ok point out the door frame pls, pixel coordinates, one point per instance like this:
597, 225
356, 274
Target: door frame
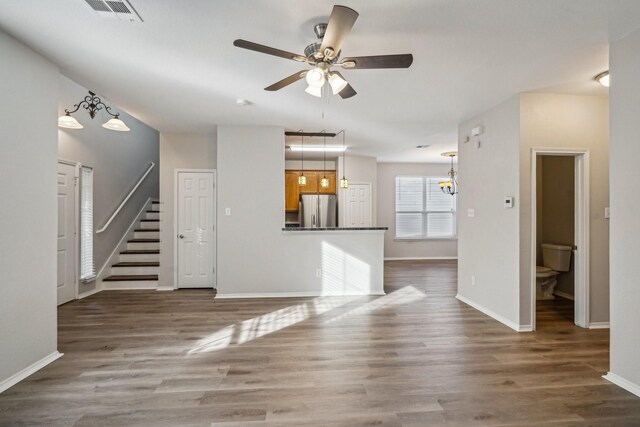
76, 209
344, 201
176, 173
581, 230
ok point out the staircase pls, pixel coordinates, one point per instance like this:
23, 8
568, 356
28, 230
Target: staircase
139, 264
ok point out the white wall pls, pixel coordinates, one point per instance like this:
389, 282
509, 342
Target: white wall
568, 121
433, 248
118, 159
178, 151
488, 244
29, 212
359, 170
625, 211
255, 257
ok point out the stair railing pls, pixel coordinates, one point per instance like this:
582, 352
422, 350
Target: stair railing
151, 166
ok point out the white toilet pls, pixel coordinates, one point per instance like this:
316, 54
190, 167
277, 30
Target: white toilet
555, 259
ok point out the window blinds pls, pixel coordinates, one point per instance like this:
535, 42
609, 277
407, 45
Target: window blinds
423, 210
87, 263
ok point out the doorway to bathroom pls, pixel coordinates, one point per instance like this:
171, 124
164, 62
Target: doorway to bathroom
559, 241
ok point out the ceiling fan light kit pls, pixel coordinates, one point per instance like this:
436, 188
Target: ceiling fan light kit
325, 53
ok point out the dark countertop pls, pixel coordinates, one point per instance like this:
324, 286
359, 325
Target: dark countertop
335, 229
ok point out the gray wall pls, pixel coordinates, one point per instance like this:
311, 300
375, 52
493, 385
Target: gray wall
625, 208
434, 248
28, 138
255, 257
118, 159
568, 121
488, 244
555, 212
187, 151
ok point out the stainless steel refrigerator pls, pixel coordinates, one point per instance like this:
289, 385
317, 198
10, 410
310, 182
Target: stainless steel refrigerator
318, 210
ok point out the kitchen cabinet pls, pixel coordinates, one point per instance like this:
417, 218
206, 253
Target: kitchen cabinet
293, 190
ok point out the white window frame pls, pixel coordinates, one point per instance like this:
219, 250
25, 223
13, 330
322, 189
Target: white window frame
425, 212
87, 263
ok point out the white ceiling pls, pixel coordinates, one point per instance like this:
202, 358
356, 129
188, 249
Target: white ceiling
179, 72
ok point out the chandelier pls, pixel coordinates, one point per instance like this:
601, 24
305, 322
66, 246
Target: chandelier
92, 103
450, 186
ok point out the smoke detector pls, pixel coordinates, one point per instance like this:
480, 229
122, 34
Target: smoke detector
115, 9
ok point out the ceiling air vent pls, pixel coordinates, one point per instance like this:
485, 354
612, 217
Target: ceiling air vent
115, 9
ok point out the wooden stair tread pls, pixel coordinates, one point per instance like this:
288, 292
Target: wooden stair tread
131, 277
152, 211
141, 251
150, 220
137, 264
143, 241
147, 230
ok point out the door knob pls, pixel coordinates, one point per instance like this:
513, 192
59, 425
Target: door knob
181, 236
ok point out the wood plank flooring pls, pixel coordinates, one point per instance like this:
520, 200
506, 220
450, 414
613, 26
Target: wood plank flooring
415, 357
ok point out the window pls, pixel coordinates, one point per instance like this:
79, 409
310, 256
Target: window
423, 211
87, 263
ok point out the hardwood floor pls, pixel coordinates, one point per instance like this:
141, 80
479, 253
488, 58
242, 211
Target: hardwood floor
415, 357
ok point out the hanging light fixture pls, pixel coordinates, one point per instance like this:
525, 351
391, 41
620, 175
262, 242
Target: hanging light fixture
92, 104
324, 182
337, 83
344, 183
450, 186
302, 180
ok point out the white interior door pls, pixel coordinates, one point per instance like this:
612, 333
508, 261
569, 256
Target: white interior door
358, 205
196, 238
66, 233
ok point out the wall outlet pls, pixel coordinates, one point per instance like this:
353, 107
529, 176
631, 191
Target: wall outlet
473, 280
471, 212
319, 272
227, 211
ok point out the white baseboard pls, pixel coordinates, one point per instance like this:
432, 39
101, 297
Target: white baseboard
599, 325
29, 370
564, 295
621, 382
292, 295
516, 327
165, 288
122, 244
420, 258
89, 293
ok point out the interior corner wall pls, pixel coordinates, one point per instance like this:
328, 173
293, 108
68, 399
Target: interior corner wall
29, 208
568, 121
359, 170
433, 248
118, 159
178, 151
625, 208
488, 243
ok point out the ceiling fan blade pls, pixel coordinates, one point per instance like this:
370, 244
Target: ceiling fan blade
347, 92
287, 81
340, 24
378, 61
244, 44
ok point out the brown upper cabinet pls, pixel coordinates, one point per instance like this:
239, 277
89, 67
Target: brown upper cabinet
293, 190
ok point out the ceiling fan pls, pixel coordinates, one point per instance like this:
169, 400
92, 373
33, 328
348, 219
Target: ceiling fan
325, 53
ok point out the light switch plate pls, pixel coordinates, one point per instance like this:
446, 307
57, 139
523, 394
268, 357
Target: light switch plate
508, 201
607, 213
227, 211
471, 212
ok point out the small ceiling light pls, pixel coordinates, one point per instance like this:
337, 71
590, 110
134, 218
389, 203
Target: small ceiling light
243, 102
315, 77
315, 91
324, 182
302, 180
344, 183
116, 124
603, 78
69, 122
92, 104
450, 186
337, 83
